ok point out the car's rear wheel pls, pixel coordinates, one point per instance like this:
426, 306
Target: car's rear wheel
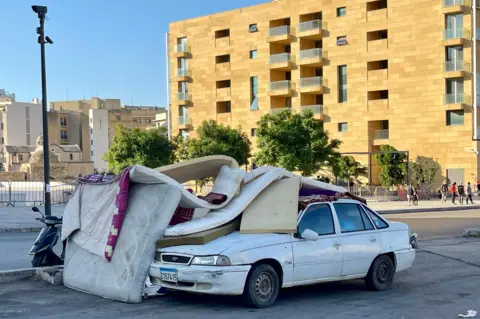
381, 274
262, 287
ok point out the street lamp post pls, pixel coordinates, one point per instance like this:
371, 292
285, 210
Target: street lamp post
41, 11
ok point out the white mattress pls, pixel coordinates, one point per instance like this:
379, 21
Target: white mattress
150, 209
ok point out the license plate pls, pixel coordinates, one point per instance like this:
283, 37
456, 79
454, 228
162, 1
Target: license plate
169, 275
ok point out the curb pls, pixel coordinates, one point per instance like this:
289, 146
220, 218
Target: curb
27, 273
427, 210
21, 230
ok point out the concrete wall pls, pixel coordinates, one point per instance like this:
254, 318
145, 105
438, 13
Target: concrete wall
99, 136
13, 176
17, 126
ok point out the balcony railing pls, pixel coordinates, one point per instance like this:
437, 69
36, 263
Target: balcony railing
455, 98
314, 81
180, 48
183, 72
183, 96
282, 30
279, 58
455, 34
310, 54
316, 109
309, 25
456, 66
381, 134
184, 120
280, 85
280, 110
449, 3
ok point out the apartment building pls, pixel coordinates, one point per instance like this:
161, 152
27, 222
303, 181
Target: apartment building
19, 123
84, 106
376, 72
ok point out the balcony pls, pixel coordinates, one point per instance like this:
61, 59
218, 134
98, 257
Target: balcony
223, 42
377, 15
279, 35
280, 88
312, 57
313, 85
224, 94
456, 69
377, 79
317, 110
182, 75
181, 51
280, 110
377, 45
222, 69
184, 122
455, 37
183, 98
455, 6
311, 29
282, 61
456, 101
378, 105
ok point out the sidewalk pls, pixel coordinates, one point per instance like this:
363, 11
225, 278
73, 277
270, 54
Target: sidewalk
432, 205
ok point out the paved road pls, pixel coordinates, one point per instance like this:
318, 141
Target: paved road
14, 247
438, 286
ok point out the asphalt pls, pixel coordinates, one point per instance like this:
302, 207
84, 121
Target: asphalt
442, 283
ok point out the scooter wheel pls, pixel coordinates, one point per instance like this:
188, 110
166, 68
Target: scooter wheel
38, 260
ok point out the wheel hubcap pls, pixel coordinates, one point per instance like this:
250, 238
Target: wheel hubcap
264, 287
382, 273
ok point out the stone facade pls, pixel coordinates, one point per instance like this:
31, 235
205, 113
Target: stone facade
396, 73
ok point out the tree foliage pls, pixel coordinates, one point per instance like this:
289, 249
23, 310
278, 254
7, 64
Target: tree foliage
347, 168
424, 170
393, 166
215, 139
296, 142
150, 148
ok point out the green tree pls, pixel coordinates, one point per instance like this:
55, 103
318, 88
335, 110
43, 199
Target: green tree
150, 148
393, 166
348, 168
215, 139
296, 142
424, 170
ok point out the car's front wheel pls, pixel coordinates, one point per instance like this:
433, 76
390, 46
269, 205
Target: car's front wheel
381, 273
262, 286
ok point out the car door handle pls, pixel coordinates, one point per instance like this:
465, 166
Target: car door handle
373, 240
337, 245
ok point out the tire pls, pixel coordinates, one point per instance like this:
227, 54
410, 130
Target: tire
262, 287
381, 274
37, 260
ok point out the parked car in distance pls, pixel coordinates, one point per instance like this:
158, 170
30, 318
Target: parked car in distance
335, 241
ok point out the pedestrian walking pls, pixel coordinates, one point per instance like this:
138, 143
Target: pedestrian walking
444, 191
469, 193
409, 194
461, 192
453, 190
415, 197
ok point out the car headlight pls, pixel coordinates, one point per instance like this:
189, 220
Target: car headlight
211, 261
158, 256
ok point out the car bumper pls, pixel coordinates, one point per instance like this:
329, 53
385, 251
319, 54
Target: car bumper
405, 259
215, 280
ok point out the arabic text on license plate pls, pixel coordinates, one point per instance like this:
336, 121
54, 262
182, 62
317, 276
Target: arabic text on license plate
168, 274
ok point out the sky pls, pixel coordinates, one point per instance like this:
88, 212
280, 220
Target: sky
103, 48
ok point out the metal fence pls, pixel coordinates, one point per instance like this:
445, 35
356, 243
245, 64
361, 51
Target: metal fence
32, 193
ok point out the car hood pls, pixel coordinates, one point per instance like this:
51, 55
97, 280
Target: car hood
231, 243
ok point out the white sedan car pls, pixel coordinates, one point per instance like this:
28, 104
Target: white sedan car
335, 241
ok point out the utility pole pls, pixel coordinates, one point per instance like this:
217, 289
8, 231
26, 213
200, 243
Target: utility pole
41, 11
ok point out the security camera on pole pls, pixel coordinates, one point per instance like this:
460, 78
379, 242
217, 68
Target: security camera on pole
41, 11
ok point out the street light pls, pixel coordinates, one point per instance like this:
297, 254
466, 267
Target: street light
41, 11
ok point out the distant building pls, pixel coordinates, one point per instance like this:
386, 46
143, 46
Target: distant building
85, 105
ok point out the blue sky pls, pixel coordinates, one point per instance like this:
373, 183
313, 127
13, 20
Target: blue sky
105, 48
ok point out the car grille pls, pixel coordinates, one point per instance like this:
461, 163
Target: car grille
176, 259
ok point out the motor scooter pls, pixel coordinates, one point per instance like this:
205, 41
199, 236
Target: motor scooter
42, 250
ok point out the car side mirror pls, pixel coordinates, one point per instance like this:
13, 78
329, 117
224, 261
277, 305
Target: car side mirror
310, 235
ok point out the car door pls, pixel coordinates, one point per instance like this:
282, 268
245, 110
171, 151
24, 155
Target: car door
359, 238
320, 259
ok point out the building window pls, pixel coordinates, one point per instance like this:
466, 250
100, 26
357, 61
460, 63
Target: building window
224, 107
1, 126
342, 83
252, 28
222, 59
184, 133
119, 118
20, 157
343, 127
455, 118
64, 135
63, 121
254, 93
91, 142
253, 54
341, 12
70, 156
3, 140
222, 34
342, 40
91, 153
253, 132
